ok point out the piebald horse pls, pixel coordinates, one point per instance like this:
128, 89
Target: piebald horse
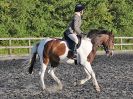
53, 51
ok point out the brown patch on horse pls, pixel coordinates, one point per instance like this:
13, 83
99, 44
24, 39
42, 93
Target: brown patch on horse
58, 48
52, 50
91, 56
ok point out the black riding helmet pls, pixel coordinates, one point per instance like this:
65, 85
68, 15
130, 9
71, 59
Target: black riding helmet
79, 7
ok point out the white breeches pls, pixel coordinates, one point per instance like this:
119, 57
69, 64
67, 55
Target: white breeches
73, 37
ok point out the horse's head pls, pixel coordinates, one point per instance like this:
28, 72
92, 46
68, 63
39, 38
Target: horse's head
102, 38
108, 44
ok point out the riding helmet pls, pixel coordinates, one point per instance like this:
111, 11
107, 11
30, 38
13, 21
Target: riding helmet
79, 7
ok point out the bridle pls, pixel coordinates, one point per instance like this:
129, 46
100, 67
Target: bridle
107, 48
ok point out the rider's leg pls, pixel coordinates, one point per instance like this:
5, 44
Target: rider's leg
75, 39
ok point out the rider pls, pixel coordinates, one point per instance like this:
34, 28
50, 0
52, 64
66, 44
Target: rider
73, 29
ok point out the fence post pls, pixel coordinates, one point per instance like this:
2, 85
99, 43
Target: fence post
29, 45
121, 43
10, 44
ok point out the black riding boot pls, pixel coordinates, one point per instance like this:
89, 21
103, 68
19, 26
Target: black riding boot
74, 50
75, 54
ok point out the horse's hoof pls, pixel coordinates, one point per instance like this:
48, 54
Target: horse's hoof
39, 72
98, 89
60, 87
44, 88
54, 89
30, 71
81, 82
77, 83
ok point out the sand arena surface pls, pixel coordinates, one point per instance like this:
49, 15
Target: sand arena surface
114, 75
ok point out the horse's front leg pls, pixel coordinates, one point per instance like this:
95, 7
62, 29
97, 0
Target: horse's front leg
88, 67
85, 79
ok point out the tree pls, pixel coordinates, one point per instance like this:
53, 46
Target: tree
39, 18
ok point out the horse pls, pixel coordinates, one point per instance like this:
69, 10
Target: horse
52, 51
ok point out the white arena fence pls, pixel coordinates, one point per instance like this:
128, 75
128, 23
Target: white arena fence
8, 45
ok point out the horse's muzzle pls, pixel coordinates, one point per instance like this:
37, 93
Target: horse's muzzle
109, 53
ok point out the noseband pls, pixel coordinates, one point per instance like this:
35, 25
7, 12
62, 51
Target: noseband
106, 48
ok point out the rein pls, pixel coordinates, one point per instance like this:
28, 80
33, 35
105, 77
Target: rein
84, 34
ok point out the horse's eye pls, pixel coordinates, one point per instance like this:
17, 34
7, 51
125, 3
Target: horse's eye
113, 42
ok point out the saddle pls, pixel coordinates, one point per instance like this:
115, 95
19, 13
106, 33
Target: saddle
71, 43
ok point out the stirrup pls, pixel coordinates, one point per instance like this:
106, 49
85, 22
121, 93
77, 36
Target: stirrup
75, 56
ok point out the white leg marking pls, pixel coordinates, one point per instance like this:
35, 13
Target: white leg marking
87, 78
91, 72
43, 69
51, 72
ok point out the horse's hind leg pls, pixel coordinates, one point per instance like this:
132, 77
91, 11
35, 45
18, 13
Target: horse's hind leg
42, 73
51, 72
43, 69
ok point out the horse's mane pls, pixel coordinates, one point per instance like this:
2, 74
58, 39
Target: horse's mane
96, 32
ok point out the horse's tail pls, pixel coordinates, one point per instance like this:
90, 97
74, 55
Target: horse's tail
33, 57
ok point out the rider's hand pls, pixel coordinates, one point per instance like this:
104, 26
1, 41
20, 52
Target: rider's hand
80, 35
83, 34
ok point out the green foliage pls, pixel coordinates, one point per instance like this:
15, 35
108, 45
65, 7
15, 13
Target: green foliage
122, 10
40, 18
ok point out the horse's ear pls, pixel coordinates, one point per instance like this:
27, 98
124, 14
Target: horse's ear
111, 32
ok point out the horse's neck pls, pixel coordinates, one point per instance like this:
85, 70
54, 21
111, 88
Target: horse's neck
86, 44
97, 42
